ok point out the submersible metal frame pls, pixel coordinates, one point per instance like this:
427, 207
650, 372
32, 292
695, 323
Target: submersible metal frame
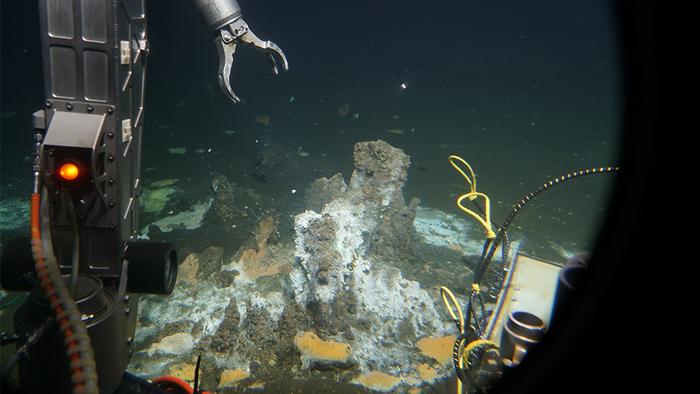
87, 267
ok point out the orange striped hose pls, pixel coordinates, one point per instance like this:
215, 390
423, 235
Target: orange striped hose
78, 378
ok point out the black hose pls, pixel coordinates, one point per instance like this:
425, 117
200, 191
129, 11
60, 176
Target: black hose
487, 243
195, 389
75, 267
483, 264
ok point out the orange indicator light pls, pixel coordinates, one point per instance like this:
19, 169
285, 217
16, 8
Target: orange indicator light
68, 171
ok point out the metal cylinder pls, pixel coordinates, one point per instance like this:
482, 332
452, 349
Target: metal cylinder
152, 267
521, 331
46, 369
218, 13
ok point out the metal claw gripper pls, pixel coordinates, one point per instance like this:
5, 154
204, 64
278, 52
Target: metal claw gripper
229, 36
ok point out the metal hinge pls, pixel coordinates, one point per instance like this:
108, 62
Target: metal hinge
125, 52
126, 130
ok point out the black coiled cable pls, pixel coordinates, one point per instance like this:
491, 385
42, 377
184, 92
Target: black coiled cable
486, 259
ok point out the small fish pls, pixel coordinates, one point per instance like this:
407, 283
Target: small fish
395, 131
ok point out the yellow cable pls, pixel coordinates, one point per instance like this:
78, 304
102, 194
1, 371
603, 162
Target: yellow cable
479, 343
448, 298
459, 317
461, 366
473, 345
472, 194
452, 304
470, 180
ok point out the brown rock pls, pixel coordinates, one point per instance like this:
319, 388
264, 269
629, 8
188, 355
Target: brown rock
210, 261
324, 190
187, 271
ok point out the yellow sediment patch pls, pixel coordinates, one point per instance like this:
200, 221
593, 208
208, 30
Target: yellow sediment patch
231, 377
414, 390
437, 348
257, 385
426, 372
178, 343
184, 371
377, 381
310, 345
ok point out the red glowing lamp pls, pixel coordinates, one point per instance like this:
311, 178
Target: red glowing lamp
68, 171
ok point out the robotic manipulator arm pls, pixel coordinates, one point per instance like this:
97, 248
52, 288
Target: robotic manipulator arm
224, 19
